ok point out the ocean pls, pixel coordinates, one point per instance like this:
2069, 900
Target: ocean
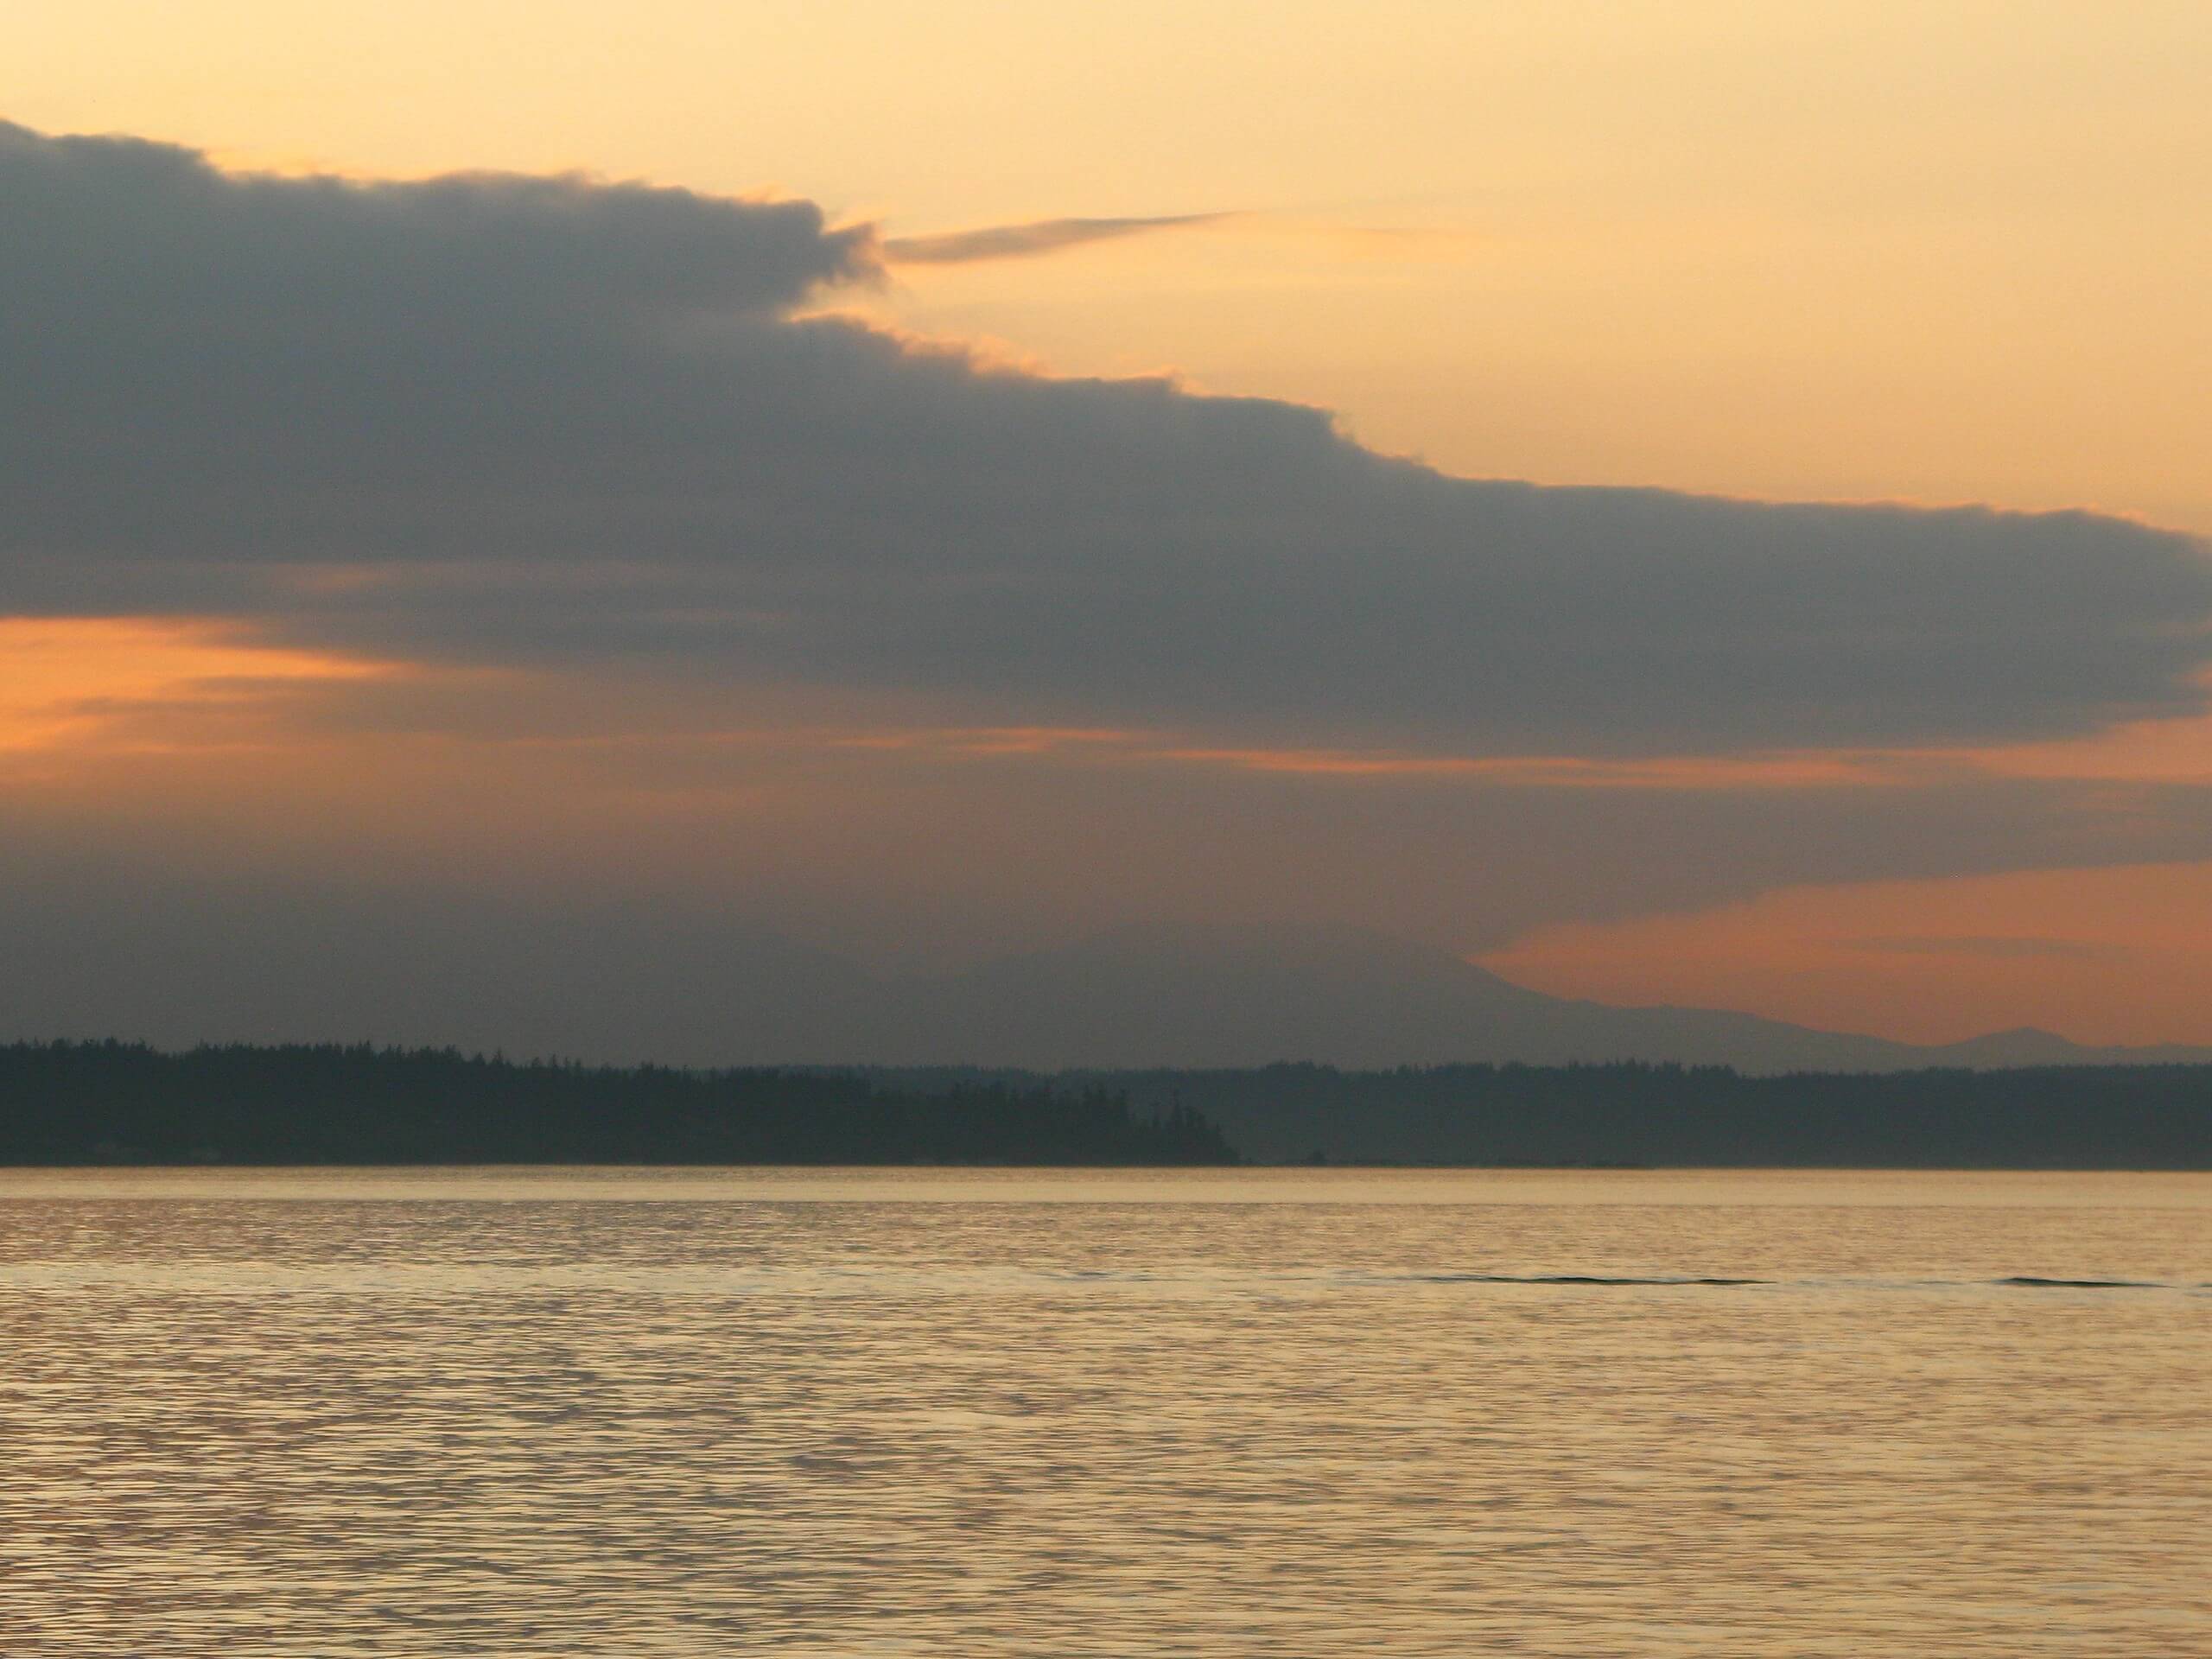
1216, 1413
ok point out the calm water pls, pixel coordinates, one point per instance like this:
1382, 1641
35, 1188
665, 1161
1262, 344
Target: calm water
978, 1414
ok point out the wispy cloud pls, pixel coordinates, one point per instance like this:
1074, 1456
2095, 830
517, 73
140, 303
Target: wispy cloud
1028, 240
67, 680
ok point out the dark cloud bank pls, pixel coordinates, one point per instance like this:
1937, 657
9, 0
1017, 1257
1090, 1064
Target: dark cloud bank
556, 420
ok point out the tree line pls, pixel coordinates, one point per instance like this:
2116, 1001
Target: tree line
65, 1103
122, 1102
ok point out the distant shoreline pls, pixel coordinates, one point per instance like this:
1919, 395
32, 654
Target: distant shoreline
121, 1105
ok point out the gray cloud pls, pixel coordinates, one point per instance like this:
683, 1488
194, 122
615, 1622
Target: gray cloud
1025, 241
562, 421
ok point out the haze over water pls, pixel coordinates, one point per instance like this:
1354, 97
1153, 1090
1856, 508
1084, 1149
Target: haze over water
982, 1413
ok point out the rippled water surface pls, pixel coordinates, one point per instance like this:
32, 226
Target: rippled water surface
981, 1413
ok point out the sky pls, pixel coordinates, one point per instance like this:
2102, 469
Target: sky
1686, 503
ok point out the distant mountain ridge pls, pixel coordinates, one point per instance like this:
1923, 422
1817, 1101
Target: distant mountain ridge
1345, 996
696, 991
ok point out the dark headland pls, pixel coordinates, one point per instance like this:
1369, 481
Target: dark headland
67, 1103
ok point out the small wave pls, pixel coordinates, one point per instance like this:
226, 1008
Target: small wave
2023, 1282
1568, 1279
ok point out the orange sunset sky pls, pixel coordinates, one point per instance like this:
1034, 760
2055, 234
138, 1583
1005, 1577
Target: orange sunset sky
1105, 502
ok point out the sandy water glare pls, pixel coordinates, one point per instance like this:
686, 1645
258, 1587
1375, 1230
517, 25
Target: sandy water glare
979, 1414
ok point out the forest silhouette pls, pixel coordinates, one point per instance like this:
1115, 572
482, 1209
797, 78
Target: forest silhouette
117, 1103
126, 1103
